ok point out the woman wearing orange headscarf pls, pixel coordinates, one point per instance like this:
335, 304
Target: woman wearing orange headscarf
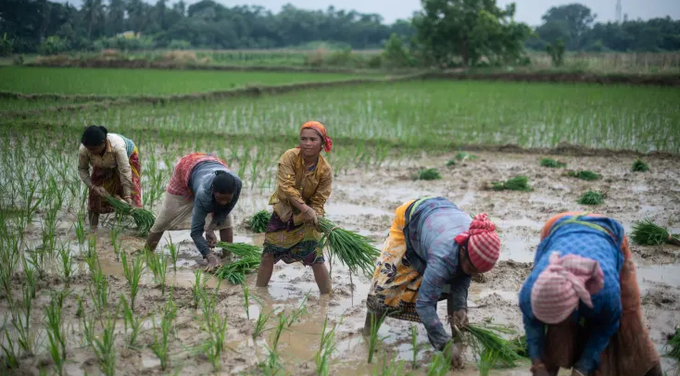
303, 186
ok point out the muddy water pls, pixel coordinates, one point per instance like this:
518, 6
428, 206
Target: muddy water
364, 201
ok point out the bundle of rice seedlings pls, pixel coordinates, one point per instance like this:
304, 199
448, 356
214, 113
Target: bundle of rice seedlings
429, 174
648, 233
591, 197
259, 221
461, 155
583, 174
236, 271
353, 250
518, 183
450, 163
640, 166
241, 249
521, 346
144, 219
549, 162
486, 339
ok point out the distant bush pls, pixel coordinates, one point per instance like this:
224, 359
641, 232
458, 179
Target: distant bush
178, 44
125, 44
53, 45
6, 45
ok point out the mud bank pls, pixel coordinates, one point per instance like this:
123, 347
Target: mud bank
364, 200
672, 80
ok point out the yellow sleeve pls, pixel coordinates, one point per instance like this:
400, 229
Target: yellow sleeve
285, 179
84, 166
323, 191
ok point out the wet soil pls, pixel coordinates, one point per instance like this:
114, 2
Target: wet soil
364, 200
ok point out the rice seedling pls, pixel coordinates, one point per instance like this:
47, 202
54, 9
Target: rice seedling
79, 228
591, 197
272, 366
133, 274
326, 348
246, 300
640, 166
517, 183
582, 174
67, 266
158, 264
174, 252
521, 346
261, 322
647, 232
22, 321
440, 362
241, 249
198, 288
11, 358
487, 359
55, 334
673, 347
278, 330
114, 237
389, 367
215, 345
104, 348
352, 249
131, 322
87, 323
259, 221
549, 162
160, 343
373, 339
299, 311
487, 339
451, 163
428, 174
143, 218
29, 273
99, 288
415, 346
235, 272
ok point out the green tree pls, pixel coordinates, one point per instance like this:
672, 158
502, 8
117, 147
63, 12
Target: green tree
469, 30
115, 17
576, 19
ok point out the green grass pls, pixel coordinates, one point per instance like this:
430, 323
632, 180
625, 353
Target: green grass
549, 162
446, 113
640, 166
428, 174
591, 197
135, 82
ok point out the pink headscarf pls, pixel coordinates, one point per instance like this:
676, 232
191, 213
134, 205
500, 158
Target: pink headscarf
328, 143
483, 243
566, 280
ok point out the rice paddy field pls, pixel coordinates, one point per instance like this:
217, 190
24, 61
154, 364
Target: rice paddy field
76, 303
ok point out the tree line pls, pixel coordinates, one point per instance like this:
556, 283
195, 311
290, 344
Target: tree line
444, 32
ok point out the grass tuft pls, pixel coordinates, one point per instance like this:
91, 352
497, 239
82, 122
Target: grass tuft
591, 197
461, 156
451, 163
549, 162
640, 166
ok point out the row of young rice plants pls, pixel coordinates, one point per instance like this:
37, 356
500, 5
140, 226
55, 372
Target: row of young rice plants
426, 114
143, 82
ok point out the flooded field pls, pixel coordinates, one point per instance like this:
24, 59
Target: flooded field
363, 200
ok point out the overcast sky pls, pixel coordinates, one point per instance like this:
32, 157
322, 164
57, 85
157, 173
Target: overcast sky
529, 11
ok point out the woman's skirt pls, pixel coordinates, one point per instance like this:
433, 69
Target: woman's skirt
291, 243
110, 180
394, 287
630, 351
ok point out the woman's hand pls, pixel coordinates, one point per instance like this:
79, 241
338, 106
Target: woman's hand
211, 238
128, 199
460, 318
99, 191
309, 216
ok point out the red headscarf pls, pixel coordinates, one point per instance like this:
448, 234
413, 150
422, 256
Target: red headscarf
328, 144
483, 243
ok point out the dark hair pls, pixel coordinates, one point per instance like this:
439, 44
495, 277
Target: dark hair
224, 183
94, 135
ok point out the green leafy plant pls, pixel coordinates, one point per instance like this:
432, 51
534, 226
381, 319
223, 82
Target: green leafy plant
640, 166
647, 232
174, 252
549, 162
133, 274
104, 348
326, 349
143, 218
132, 323
591, 197
158, 264
299, 311
260, 221
440, 362
235, 272
376, 322
485, 340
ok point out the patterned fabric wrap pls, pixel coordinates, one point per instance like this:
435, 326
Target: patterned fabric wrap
566, 281
483, 243
292, 243
328, 143
109, 180
179, 182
